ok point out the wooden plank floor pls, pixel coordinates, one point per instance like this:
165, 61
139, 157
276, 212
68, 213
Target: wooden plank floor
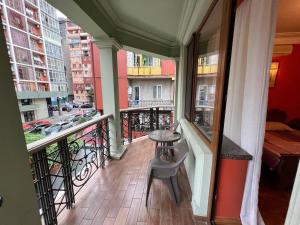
116, 195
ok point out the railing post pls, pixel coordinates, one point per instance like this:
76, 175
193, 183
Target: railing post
129, 127
101, 144
157, 118
151, 119
66, 172
122, 127
44, 187
107, 138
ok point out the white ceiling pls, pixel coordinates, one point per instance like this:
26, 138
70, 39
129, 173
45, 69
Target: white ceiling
157, 26
160, 17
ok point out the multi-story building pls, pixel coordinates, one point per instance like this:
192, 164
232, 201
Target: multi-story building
80, 45
53, 46
33, 54
150, 80
66, 54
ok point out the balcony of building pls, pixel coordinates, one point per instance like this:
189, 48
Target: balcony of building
31, 12
77, 181
95, 172
144, 71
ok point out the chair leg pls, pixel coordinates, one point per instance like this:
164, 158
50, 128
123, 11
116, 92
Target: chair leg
176, 190
149, 182
171, 189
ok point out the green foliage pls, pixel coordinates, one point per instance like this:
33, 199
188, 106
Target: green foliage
32, 137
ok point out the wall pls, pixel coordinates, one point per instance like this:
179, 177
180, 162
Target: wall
199, 161
17, 188
146, 88
42, 109
122, 78
168, 67
285, 95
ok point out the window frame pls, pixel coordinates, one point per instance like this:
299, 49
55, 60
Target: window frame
227, 23
156, 92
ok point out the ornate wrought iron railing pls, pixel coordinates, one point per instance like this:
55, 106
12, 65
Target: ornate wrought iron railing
150, 103
138, 122
63, 163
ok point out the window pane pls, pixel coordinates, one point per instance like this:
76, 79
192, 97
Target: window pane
154, 92
207, 71
159, 92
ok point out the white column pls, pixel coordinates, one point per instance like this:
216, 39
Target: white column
110, 92
180, 84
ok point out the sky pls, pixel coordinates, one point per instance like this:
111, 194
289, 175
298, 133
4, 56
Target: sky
60, 14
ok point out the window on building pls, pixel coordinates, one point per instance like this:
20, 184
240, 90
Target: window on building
19, 38
26, 101
28, 116
157, 89
22, 55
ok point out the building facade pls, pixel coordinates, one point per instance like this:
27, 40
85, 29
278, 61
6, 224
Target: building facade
81, 63
151, 80
35, 55
66, 55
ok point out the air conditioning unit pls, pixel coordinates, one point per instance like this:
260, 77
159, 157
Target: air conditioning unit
280, 50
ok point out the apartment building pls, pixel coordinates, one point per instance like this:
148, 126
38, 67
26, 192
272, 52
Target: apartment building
80, 45
33, 43
151, 80
66, 54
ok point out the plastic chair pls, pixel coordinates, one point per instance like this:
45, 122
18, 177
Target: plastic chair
168, 171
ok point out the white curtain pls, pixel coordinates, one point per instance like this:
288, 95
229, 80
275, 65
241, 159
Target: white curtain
248, 91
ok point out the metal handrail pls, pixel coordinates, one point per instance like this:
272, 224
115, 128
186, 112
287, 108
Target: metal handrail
43, 143
146, 107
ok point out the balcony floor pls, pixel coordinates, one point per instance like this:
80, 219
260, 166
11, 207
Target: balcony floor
116, 195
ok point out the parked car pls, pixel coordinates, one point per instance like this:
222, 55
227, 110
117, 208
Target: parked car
86, 106
73, 118
75, 105
67, 107
55, 128
38, 128
54, 107
90, 113
32, 124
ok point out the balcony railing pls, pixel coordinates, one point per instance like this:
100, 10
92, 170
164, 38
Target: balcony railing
150, 103
63, 163
144, 70
138, 122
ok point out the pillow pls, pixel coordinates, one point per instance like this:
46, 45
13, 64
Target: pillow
277, 126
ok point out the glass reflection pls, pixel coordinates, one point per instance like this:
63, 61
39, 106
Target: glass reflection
207, 72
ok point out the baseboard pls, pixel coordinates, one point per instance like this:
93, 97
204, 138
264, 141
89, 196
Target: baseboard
120, 153
227, 221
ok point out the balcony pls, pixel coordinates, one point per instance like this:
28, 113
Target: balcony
73, 187
149, 103
144, 71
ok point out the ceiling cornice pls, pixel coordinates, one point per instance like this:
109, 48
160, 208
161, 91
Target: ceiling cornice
108, 12
185, 18
287, 38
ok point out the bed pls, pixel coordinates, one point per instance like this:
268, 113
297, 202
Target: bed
281, 149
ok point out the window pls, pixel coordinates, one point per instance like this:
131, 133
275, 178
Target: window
25, 73
28, 116
22, 55
26, 101
157, 91
15, 19
207, 72
19, 38
136, 93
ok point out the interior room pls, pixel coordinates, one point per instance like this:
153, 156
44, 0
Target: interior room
282, 138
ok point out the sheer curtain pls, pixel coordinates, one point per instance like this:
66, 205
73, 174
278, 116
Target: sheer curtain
248, 91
